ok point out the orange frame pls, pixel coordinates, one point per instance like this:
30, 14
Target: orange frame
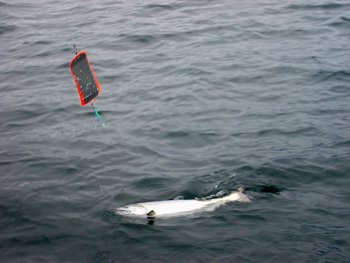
82, 102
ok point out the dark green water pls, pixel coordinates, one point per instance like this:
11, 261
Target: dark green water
198, 98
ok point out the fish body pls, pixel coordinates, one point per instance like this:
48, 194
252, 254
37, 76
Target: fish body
173, 208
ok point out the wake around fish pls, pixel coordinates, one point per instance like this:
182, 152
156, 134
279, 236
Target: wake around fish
174, 208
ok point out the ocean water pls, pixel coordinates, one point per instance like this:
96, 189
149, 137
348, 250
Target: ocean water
199, 97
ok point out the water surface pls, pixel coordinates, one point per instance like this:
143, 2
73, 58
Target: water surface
198, 97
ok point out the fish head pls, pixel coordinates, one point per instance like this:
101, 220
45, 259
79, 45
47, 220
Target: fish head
132, 210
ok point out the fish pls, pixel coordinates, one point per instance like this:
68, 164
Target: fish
175, 208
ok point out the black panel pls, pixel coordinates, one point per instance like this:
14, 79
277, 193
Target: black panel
83, 76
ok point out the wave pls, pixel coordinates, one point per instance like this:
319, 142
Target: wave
329, 75
7, 28
326, 6
160, 7
306, 131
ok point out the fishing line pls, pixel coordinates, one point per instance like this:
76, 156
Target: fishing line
98, 115
84, 78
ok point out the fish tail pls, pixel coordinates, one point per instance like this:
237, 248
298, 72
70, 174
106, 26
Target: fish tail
238, 196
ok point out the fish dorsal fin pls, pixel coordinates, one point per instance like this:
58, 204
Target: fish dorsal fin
151, 214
